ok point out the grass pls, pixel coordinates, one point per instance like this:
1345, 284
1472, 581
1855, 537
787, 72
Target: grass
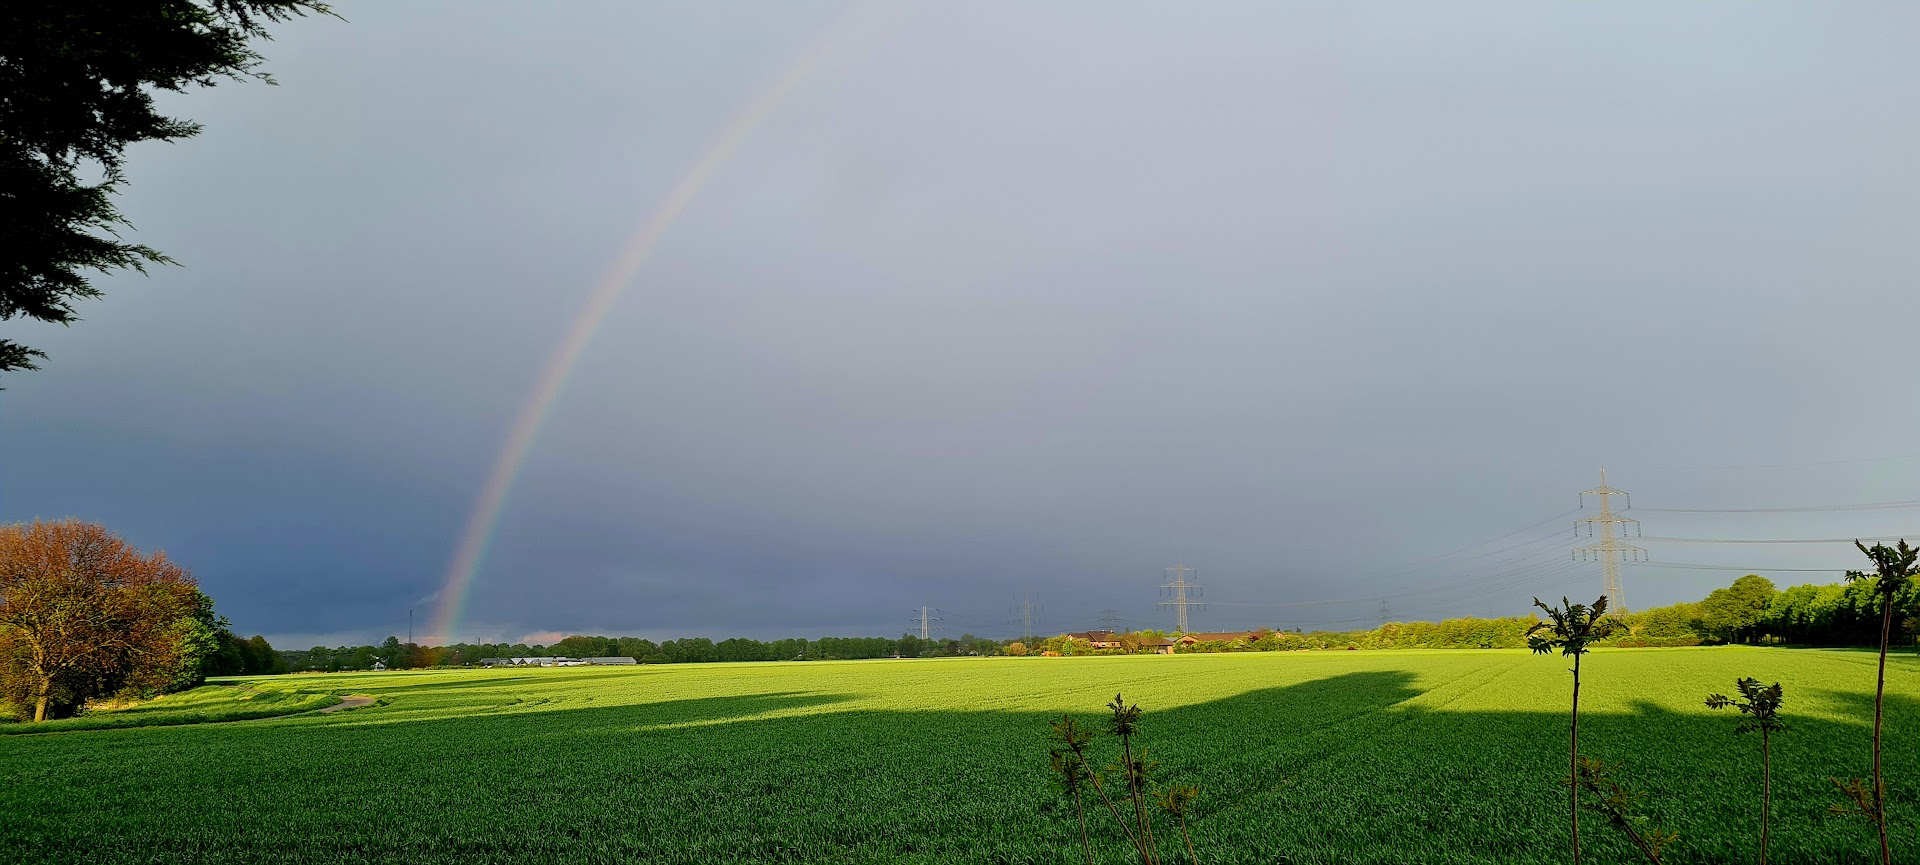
202, 705
1325, 757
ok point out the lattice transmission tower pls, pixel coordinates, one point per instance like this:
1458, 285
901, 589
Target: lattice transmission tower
1609, 549
1025, 611
1180, 593
926, 622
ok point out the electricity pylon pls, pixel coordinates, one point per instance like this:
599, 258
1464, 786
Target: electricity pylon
1608, 549
1177, 591
1025, 612
926, 622
1110, 621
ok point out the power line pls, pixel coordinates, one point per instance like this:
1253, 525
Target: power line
1700, 567
1110, 621
1865, 506
1780, 540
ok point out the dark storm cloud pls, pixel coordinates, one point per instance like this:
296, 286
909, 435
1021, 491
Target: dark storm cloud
1002, 298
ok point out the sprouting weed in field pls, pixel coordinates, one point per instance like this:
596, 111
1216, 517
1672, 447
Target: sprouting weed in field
1894, 569
1570, 629
1174, 801
1124, 722
1615, 802
1761, 706
1071, 774
1071, 760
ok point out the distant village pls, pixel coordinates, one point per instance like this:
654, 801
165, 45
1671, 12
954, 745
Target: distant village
1148, 643
617, 661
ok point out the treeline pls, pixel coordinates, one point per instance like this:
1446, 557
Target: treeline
1750, 610
395, 654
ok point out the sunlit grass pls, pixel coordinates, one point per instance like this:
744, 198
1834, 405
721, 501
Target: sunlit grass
1440, 756
205, 704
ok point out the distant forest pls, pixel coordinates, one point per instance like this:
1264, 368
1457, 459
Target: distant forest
1750, 610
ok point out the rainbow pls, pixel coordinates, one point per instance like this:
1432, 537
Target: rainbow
471, 549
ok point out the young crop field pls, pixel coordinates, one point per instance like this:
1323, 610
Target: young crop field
203, 705
1327, 757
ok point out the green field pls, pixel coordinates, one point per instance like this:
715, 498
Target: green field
203, 705
1334, 757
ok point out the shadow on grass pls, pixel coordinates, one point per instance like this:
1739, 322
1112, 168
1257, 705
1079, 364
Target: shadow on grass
1334, 770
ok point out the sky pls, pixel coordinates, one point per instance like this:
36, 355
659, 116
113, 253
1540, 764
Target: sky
1341, 304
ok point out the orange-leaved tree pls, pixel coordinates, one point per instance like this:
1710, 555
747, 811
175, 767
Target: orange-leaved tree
84, 614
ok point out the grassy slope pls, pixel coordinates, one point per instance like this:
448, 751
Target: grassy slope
202, 705
1448, 756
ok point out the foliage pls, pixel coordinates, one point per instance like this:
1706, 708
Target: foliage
1614, 801
83, 614
1761, 706
1893, 574
1732, 613
78, 88
1571, 629
1131, 775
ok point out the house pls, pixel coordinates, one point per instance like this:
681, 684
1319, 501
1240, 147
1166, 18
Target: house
608, 662
1219, 637
379, 666
1159, 645
1099, 639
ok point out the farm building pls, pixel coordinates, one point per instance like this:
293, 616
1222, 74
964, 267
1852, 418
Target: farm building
555, 662
1218, 637
1099, 639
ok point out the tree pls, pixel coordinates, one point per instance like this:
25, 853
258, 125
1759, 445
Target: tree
1762, 708
1893, 573
392, 653
84, 614
77, 79
1570, 629
1732, 612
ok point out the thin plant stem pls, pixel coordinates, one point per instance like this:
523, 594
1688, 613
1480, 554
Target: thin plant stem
1139, 802
1098, 788
1766, 790
1879, 692
1086, 843
1191, 857
1573, 763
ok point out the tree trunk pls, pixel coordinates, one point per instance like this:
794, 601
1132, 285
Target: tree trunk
41, 699
1573, 764
1879, 692
1766, 791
